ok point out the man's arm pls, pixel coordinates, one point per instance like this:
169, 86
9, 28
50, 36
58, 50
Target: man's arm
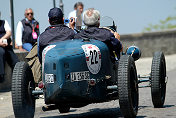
39, 50
7, 35
117, 36
117, 45
72, 23
8, 30
19, 33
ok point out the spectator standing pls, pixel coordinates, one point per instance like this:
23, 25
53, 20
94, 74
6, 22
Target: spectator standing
27, 31
6, 50
77, 14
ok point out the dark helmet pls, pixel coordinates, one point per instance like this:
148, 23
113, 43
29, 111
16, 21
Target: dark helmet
134, 51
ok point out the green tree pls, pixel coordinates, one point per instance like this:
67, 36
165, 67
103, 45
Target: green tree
168, 23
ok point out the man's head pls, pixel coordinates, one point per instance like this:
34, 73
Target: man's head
79, 6
55, 16
29, 14
91, 17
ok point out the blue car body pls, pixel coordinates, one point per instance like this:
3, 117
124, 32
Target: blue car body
68, 56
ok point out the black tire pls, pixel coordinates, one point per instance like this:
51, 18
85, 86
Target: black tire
158, 78
22, 86
128, 87
63, 108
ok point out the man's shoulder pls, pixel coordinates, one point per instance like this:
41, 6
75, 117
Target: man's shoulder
2, 22
43, 33
23, 20
43, 37
62, 27
36, 21
104, 29
56, 28
107, 31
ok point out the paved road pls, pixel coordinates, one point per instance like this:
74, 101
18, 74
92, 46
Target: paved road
111, 109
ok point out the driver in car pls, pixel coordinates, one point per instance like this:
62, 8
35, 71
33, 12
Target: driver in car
91, 19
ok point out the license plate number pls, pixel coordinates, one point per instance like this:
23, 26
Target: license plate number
49, 78
79, 76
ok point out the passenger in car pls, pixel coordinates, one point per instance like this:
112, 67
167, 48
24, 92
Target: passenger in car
56, 32
91, 19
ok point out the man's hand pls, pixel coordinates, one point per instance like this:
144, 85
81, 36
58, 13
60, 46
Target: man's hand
117, 36
21, 49
72, 23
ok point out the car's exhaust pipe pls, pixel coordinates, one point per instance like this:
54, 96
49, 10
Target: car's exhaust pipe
49, 107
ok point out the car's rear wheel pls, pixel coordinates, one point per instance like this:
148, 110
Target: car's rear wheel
22, 86
158, 79
128, 86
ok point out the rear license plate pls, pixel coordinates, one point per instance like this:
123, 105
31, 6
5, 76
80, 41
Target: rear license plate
49, 78
79, 76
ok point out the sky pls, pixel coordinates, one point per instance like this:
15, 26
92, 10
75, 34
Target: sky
130, 16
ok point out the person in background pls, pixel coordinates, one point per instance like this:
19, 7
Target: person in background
27, 31
78, 6
6, 50
77, 14
56, 32
92, 21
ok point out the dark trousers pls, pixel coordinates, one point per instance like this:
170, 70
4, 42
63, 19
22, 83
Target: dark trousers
7, 55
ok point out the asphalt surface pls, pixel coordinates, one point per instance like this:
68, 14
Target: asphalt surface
111, 109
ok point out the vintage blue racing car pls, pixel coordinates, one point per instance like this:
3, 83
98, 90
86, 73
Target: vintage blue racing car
79, 72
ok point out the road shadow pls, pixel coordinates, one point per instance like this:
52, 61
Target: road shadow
141, 116
94, 113
4, 91
167, 106
142, 107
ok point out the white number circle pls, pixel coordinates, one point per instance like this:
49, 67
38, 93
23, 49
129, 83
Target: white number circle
93, 57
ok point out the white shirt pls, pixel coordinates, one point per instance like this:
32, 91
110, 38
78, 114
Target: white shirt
7, 26
19, 33
72, 14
